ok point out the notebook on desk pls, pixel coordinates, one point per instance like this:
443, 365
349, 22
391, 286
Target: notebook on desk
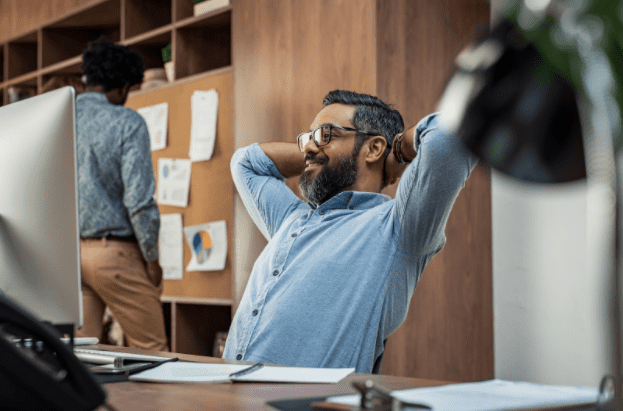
191, 372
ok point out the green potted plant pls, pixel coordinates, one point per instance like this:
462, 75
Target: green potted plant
169, 65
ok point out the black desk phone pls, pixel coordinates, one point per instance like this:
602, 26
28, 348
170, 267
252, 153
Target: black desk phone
37, 370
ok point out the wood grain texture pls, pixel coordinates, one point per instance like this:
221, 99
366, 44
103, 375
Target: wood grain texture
211, 186
448, 333
19, 16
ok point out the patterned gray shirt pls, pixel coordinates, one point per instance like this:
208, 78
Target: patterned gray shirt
115, 173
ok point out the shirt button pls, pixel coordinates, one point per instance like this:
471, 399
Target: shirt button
255, 312
239, 357
294, 234
321, 212
276, 273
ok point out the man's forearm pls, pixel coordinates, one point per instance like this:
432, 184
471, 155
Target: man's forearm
287, 158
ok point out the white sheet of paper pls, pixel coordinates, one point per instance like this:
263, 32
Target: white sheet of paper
173, 181
171, 247
156, 117
180, 372
204, 110
489, 395
190, 372
208, 244
298, 375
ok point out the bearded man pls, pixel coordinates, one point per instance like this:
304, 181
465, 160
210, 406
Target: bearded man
338, 273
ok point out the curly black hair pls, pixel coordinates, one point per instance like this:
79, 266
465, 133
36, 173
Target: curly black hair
111, 65
371, 116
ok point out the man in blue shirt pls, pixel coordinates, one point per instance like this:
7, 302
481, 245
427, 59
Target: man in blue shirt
336, 278
119, 219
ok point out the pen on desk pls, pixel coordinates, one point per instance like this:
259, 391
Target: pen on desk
246, 371
149, 366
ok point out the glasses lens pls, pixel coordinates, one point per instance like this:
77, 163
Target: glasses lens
322, 135
303, 139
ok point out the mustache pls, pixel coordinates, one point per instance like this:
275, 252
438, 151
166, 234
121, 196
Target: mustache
316, 158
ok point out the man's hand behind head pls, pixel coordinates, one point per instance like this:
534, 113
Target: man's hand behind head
393, 170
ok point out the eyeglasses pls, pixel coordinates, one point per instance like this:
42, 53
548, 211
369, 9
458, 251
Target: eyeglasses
323, 134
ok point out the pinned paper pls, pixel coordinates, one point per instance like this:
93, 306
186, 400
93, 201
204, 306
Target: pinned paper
171, 246
173, 181
208, 243
204, 110
156, 118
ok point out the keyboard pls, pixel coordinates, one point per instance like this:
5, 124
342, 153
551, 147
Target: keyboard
119, 359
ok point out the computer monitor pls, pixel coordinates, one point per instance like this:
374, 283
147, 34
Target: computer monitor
39, 231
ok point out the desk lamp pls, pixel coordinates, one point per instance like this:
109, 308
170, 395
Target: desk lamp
539, 98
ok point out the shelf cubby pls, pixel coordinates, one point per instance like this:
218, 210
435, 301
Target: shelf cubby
22, 55
69, 36
2, 65
141, 16
202, 44
150, 46
59, 45
196, 327
192, 323
27, 87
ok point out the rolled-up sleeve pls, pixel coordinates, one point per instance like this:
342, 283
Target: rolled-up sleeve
429, 187
262, 189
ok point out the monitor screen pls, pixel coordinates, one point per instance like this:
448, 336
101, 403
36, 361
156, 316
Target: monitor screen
39, 237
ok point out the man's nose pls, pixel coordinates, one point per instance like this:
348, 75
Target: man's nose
310, 147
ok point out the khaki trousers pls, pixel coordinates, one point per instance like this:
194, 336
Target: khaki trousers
114, 274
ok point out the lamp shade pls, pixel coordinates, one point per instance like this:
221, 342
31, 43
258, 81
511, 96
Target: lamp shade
513, 111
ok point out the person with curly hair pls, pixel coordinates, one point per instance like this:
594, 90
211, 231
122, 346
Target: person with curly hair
119, 218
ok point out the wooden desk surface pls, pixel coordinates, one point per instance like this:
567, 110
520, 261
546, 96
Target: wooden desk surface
139, 396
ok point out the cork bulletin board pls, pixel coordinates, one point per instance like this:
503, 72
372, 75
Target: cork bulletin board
210, 196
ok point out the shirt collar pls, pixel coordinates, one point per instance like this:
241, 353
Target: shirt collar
352, 200
93, 95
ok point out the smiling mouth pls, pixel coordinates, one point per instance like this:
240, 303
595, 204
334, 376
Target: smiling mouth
311, 162
312, 165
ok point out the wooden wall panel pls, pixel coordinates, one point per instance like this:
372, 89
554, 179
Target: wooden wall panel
18, 16
448, 333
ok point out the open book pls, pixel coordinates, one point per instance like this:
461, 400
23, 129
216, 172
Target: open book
192, 372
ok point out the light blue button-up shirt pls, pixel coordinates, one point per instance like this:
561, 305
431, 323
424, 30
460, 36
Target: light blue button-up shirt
335, 281
115, 173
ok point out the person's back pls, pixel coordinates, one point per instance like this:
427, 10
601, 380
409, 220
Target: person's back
105, 132
119, 219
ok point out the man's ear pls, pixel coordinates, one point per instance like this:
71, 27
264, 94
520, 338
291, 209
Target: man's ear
376, 148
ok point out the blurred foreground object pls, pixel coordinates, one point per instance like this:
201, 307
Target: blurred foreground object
539, 98
513, 111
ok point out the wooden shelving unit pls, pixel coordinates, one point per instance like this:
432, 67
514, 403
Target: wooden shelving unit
201, 50
199, 44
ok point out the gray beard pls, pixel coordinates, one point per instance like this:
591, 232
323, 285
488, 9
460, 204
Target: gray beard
329, 182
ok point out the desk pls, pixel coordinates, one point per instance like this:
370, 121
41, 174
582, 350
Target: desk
139, 396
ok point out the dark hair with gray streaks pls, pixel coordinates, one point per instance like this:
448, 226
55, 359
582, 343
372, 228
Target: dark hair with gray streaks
371, 116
